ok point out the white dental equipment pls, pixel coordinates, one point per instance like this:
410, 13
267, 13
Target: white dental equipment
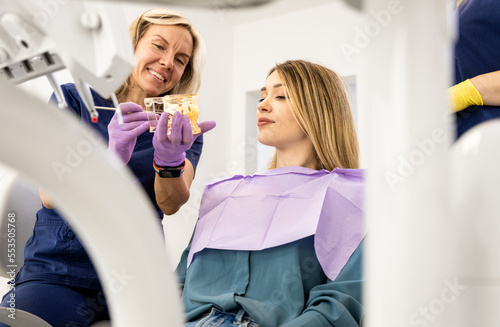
41, 37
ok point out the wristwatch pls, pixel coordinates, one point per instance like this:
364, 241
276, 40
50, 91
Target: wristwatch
169, 172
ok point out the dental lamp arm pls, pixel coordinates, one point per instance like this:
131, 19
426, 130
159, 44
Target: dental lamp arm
34, 42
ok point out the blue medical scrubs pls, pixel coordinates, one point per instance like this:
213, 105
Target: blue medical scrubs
477, 52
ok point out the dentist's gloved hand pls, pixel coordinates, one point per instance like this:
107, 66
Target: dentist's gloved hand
122, 138
170, 151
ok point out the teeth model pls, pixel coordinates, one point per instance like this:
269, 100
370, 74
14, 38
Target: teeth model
187, 104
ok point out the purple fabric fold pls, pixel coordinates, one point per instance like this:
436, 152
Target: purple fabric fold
280, 206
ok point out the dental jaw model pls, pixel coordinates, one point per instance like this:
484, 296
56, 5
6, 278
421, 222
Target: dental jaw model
187, 104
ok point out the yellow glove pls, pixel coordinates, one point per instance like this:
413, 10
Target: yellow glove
464, 95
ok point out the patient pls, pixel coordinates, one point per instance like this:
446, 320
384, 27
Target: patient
283, 247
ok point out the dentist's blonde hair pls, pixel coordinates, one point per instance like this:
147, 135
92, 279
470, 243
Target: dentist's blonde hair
319, 100
191, 78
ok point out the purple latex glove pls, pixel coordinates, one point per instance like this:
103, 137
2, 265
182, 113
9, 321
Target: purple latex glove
170, 151
122, 138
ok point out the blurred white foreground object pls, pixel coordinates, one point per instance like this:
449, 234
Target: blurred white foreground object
114, 219
476, 213
402, 95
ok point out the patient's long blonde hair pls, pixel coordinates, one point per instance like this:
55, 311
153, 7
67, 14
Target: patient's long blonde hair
191, 78
320, 103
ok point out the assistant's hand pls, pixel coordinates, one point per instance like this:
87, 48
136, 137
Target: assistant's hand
122, 138
464, 95
170, 151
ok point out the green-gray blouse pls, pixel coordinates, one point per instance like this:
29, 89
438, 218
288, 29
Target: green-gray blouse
279, 286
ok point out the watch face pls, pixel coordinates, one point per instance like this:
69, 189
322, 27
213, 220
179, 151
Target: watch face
169, 172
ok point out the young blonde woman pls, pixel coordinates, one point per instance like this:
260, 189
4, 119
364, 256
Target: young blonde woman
58, 282
283, 247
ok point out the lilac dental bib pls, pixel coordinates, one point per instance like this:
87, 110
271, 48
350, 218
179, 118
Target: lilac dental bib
283, 205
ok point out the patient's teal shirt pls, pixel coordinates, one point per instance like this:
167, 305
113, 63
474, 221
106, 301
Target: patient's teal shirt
279, 286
